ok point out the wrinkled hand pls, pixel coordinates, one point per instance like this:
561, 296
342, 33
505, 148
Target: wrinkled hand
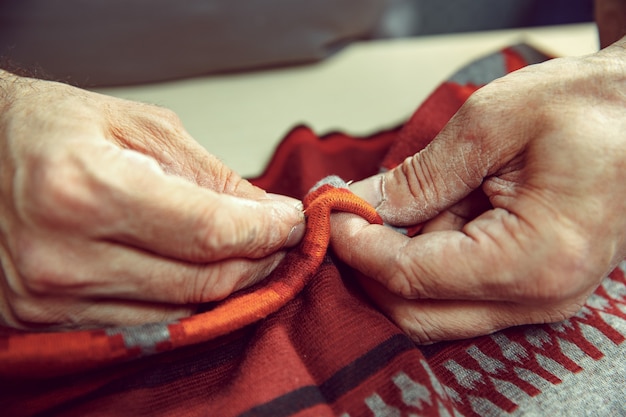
110, 213
523, 195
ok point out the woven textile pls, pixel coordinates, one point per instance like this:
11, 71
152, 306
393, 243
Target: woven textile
307, 342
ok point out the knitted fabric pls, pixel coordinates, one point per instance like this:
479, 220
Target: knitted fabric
306, 341
47, 354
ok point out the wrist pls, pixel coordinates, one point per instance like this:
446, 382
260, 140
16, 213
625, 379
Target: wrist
607, 72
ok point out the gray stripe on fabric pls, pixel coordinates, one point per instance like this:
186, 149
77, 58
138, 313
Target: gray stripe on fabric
145, 336
482, 71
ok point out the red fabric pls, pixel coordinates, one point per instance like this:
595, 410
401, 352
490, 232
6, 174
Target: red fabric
50, 354
427, 121
303, 158
306, 341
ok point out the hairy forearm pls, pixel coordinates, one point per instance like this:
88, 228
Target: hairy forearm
11, 86
7, 80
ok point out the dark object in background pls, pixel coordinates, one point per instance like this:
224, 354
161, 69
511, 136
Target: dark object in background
115, 42
428, 17
109, 42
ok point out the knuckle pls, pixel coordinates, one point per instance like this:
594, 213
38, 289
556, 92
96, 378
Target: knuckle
399, 285
423, 183
221, 235
214, 237
29, 265
212, 284
213, 174
548, 314
233, 183
32, 312
147, 124
38, 278
162, 122
227, 181
418, 174
475, 102
39, 269
53, 190
475, 110
27, 312
420, 336
562, 314
565, 274
169, 116
217, 281
419, 327
405, 278
216, 288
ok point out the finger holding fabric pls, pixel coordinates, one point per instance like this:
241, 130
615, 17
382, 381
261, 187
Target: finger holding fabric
112, 214
545, 145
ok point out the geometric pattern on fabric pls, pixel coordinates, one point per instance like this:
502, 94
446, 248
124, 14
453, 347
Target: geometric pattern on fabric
307, 342
530, 366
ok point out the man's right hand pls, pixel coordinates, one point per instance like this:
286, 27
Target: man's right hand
523, 200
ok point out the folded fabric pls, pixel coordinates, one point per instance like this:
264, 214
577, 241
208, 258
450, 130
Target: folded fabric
307, 342
49, 354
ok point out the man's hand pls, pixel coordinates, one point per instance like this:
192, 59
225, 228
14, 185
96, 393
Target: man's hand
110, 213
523, 195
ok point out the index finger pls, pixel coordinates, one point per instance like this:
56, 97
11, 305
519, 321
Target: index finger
120, 195
159, 133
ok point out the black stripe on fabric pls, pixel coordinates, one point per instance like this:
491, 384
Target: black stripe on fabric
153, 372
347, 378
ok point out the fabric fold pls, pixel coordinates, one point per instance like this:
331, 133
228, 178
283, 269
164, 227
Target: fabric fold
307, 342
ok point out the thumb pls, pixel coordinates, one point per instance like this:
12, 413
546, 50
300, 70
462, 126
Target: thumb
173, 217
423, 185
254, 229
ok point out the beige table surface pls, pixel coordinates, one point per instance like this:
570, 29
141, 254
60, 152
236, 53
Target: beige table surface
362, 89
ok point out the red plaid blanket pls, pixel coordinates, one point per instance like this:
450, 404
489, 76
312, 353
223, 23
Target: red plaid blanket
307, 342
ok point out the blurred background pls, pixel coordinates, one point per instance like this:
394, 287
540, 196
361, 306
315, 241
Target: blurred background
125, 42
428, 17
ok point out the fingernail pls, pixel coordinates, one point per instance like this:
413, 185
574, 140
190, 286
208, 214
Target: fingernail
295, 235
288, 200
369, 189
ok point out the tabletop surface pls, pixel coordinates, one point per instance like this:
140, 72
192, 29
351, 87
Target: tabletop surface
364, 88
